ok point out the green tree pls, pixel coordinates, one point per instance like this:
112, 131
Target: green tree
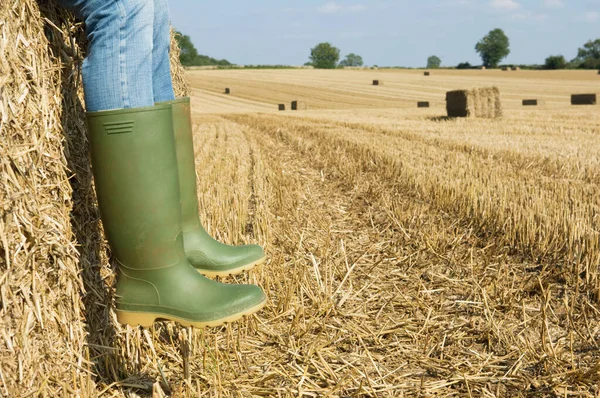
188, 55
352, 60
187, 51
324, 56
555, 62
464, 65
434, 62
588, 56
493, 48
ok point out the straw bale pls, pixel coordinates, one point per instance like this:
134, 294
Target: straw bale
482, 68
479, 102
227, 90
533, 102
515, 68
58, 332
583, 99
426, 73
299, 106
505, 68
377, 83
281, 107
423, 104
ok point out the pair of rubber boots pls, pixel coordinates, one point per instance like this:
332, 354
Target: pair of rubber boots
145, 177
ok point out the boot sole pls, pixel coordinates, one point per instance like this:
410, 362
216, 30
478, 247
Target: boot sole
233, 271
147, 319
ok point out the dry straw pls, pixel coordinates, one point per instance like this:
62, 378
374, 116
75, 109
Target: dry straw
58, 336
479, 102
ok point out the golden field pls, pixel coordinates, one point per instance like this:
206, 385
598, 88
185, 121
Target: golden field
410, 254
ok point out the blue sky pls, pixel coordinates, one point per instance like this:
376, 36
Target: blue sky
385, 33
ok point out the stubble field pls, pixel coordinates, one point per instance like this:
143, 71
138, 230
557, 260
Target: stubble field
409, 254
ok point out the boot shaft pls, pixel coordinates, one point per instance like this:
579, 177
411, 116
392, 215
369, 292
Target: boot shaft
184, 146
135, 172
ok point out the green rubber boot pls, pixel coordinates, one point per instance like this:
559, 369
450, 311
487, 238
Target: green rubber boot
207, 255
136, 178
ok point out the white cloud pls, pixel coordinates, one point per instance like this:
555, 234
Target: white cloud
592, 16
455, 3
528, 16
505, 5
334, 8
554, 3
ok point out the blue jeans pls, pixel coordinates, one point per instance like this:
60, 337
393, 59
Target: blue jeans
127, 63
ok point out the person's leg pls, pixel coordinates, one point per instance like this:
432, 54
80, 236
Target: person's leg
136, 177
118, 65
161, 69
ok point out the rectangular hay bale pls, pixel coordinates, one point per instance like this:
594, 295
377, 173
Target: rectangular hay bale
532, 102
299, 105
504, 68
227, 91
377, 83
426, 73
583, 99
423, 104
281, 107
515, 68
479, 102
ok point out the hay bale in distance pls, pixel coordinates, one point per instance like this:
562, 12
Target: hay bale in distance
426, 73
532, 102
377, 83
482, 68
479, 102
299, 105
281, 107
583, 99
227, 90
515, 68
423, 104
504, 68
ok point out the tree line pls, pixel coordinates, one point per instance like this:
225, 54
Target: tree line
492, 48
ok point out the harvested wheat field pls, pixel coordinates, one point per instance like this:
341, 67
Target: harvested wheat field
410, 254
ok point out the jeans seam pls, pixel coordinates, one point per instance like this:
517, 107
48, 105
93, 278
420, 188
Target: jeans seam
123, 55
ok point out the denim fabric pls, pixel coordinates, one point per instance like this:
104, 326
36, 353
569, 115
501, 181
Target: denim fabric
127, 63
162, 83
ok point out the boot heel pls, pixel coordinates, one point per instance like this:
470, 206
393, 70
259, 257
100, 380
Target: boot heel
135, 318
